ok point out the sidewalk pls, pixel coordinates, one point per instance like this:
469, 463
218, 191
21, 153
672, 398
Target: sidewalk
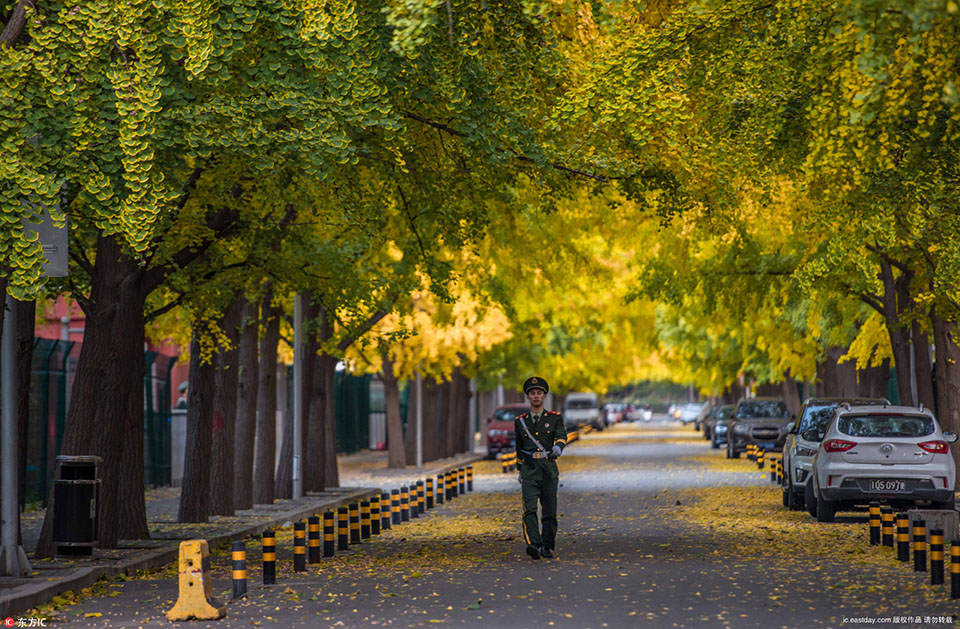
361, 476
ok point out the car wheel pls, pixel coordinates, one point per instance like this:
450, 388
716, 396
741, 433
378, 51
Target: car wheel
714, 444
706, 433
794, 500
810, 501
826, 510
732, 450
785, 498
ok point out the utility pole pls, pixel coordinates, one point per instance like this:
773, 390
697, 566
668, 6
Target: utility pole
297, 394
419, 386
13, 561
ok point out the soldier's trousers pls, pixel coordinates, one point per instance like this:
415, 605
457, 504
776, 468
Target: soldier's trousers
544, 491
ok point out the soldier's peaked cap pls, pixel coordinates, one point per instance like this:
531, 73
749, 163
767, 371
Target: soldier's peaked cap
535, 383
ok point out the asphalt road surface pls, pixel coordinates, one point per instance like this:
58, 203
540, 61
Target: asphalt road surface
656, 530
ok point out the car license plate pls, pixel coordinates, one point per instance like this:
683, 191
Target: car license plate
883, 484
768, 445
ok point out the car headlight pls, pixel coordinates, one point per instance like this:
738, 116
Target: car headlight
741, 429
804, 451
720, 428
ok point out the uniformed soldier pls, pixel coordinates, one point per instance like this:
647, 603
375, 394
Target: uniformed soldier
541, 437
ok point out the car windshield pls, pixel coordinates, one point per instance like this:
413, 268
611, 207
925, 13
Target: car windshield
581, 404
886, 425
507, 414
816, 417
762, 408
725, 412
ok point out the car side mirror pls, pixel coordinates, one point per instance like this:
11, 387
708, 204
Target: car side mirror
812, 435
950, 437
790, 428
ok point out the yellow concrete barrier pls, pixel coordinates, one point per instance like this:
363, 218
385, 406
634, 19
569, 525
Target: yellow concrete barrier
196, 596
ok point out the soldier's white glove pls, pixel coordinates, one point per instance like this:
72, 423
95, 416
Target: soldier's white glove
556, 451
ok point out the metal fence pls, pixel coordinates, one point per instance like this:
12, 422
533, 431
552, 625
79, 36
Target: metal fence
54, 370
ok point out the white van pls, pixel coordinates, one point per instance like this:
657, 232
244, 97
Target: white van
582, 408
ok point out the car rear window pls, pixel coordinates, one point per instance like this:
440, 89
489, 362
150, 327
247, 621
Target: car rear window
762, 408
886, 425
507, 414
816, 417
581, 404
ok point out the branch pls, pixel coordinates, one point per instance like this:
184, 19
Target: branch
16, 23
78, 257
871, 300
363, 329
181, 296
556, 165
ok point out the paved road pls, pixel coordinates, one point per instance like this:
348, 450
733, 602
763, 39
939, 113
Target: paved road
656, 530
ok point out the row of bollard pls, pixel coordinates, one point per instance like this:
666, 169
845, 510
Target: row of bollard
354, 523
882, 521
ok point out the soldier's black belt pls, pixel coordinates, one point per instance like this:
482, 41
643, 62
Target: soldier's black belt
538, 455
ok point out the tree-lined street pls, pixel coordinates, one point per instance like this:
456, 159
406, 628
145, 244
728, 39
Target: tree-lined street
655, 530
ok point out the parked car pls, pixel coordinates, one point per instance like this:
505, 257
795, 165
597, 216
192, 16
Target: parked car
646, 413
582, 408
702, 415
707, 424
760, 421
798, 452
897, 455
690, 412
719, 424
500, 428
613, 413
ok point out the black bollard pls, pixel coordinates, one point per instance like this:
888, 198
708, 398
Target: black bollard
886, 526
440, 489
343, 528
919, 546
269, 558
329, 539
364, 519
421, 497
313, 539
239, 557
874, 521
375, 514
469, 478
386, 511
404, 504
299, 546
429, 493
414, 500
955, 568
354, 523
462, 480
936, 557
395, 506
903, 537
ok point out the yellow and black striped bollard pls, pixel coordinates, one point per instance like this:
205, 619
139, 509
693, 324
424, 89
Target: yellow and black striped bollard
430, 492
780, 470
513, 461
421, 497
313, 539
453, 481
415, 500
354, 523
269, 557
903, 537
462, 479
469, 478
395, 506
773, 469
886, 526
955, 568
299, 546
239, 558
505, 462
343, 528
919, 546
375, 514
364, 519
750, 456
874, 523
936, 556
329, 536
761, 455
440, 486
404, 504
386, 511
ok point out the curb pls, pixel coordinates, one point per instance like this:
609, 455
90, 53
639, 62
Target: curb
32, 594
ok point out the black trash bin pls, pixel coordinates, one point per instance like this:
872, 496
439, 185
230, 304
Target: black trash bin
76, 502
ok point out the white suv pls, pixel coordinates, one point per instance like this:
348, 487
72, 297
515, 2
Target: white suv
894, 454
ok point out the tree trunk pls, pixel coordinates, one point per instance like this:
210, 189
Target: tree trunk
451, 417
26, 318
195, 492
948, 376
437, 428
923, 366
105, 417
836, 379
790, 394
316, 440
396, 456
873, 380
899, 335
247, 383
265, 459
222, 499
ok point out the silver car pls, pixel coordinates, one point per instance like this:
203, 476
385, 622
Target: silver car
798, 452
893, 454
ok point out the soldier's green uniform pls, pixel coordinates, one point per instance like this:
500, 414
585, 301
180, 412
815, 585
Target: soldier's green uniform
539, 475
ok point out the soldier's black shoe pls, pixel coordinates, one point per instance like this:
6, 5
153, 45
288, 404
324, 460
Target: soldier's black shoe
546, 553
533, 552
